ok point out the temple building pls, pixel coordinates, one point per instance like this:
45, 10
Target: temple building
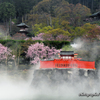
93, 17
23, 28
22, 33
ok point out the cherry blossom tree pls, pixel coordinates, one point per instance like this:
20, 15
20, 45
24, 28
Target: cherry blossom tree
5, 54
49, 37
38, 37
39, 51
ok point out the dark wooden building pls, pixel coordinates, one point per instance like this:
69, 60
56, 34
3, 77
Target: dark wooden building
22, 33
95, 15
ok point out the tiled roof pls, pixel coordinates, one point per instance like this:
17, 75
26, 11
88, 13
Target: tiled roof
95, 14
22, 24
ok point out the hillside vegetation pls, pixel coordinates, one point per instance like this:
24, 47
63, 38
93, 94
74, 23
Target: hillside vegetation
55, 18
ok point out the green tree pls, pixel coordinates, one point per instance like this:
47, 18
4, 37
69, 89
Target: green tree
54, 33
88, 27
36, 28
79, 31
22, 7
40, 28
53, 13
7, 11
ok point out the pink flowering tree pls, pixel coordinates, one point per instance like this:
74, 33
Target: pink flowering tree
49, 37
61, 37
5, 54
44, 36
38, 37
39, 51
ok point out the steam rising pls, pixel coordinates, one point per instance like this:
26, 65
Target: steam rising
17, 88
77, 44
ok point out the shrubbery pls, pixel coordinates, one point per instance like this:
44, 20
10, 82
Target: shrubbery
19, 48
22, 43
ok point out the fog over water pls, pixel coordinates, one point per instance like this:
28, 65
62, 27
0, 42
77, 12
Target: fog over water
17, 88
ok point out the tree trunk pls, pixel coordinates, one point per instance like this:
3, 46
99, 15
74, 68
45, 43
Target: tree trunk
46, 19
83, 2
26, 17
7, 63
15, 63
7, 28
50, 20
79, 1
87, 3
92, 5
22, 19
99, 6
10, 25
18, 56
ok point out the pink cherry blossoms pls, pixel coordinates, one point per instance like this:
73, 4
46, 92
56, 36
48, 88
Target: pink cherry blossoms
38, 37
4, 52
39, 51
61, 37
49, 37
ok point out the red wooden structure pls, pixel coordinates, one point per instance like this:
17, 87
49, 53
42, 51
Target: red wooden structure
67, 60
